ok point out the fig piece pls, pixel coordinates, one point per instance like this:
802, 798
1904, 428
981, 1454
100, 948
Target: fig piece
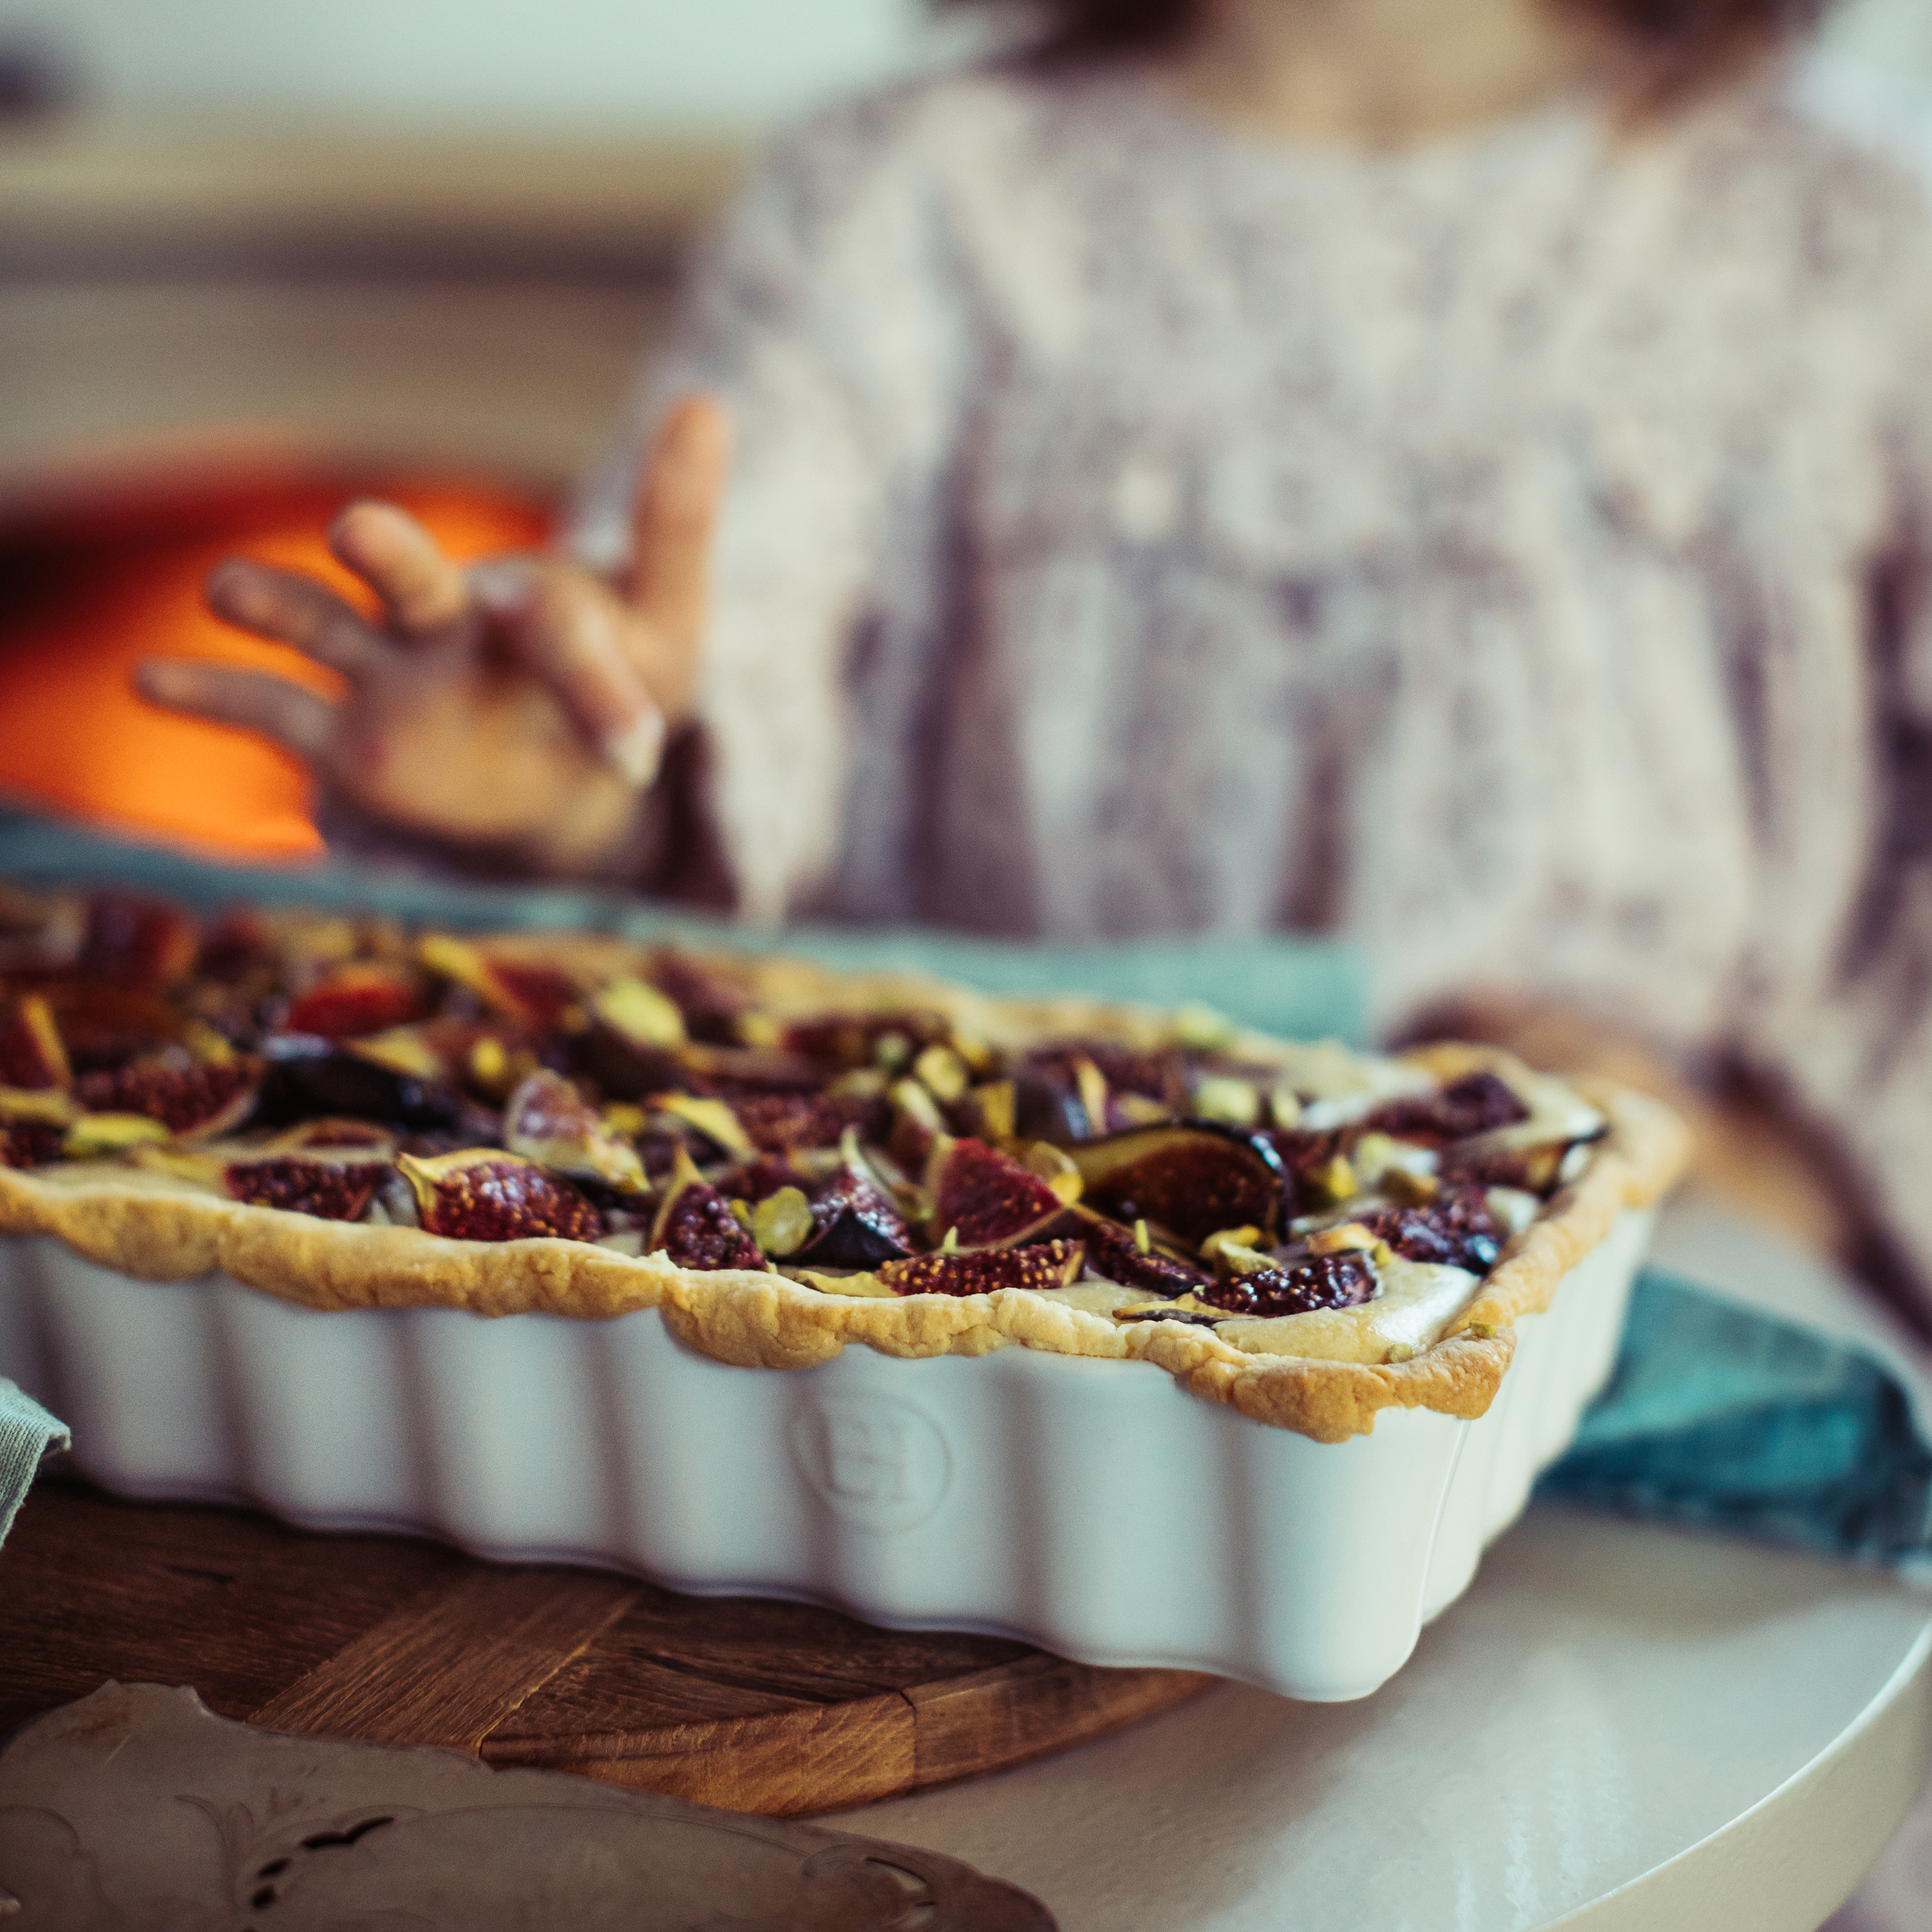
1192, 1177
1458, 1229
845, 1040
191, 1102
137, 942
1342, 1280
31, 1143
482, 1194
695, 1227
1113, 1251
534, 992
1537, 1169
711, 1005
106, 1026
338, 1189
1043, 1265
983, 1198
546, 1120
1476, 1104
780, 1123
644, 1018
309, 1078
31, 1056
357, 1000
856, 1223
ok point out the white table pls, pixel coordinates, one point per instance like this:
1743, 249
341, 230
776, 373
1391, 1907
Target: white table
1621, 1727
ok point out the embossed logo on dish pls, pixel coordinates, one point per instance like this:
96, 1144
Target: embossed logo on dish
880, 1463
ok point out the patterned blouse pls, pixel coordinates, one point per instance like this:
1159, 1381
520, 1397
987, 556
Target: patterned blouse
1510, 553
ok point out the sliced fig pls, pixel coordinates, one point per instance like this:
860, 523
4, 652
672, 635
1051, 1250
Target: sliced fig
780, 1123
1456, 1230
1113, 1251
29, 1143
339, 1189
31, 1056
1043, 1265
1536, 1169
917, 1126
482, 1194
864, 1039
712, 1006
106, 1026
357, 1000
309, 1078
1342, 1280
360, 1135
984, 1199
696, 1227
135, 941
546, 1120
856, 1223
535, 992
761, 1177
1192, 1177
191, 1102
1476, 1104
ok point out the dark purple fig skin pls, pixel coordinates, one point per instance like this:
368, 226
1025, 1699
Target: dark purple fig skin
857, 1225
1192, 1177
1476, 1104
1112, 1251
307, 1078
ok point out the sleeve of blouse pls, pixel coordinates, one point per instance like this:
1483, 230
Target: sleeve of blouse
823, 320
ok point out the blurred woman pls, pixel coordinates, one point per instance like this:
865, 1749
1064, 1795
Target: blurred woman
1451, 473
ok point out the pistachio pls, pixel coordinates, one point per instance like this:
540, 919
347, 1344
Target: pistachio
942, 1073
862, 1083
977, 1053
1402, 1352
781, 1223
1143, 1241
1334, 1178
1090, 1084
639, 1013
1200, 1027
94, 1134
827, 1283
489, 1063
892, 1050
1285, 1107
741, 1212
996, 1108
1139, 1110
1220, 1096
50, 1104
209, 1047
1350, 1236
712, 1118
1482, 1331
622, 1116
1412, 1190
1239, 1238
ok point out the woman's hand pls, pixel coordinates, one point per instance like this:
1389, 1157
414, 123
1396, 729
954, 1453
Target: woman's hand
519, 706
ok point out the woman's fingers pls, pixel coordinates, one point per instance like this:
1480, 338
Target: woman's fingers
293, 609
564, 629
253, 699
674, 519
420, 587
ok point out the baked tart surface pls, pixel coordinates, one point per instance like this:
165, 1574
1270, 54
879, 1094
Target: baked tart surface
782, 1159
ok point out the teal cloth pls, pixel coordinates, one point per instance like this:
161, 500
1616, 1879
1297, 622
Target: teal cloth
27, 1435
1719, 1417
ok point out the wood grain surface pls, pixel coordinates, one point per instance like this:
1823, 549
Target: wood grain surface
755, 1706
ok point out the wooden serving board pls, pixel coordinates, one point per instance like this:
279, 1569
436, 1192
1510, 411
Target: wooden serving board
752, 1706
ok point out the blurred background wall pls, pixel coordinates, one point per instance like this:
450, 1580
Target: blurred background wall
256, 255
667, 63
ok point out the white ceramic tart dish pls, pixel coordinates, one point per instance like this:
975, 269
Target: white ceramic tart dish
1273, 1457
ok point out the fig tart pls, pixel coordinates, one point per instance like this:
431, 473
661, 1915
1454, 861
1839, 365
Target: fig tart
782, 1160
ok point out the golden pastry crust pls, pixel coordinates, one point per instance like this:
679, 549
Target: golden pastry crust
158, 1227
